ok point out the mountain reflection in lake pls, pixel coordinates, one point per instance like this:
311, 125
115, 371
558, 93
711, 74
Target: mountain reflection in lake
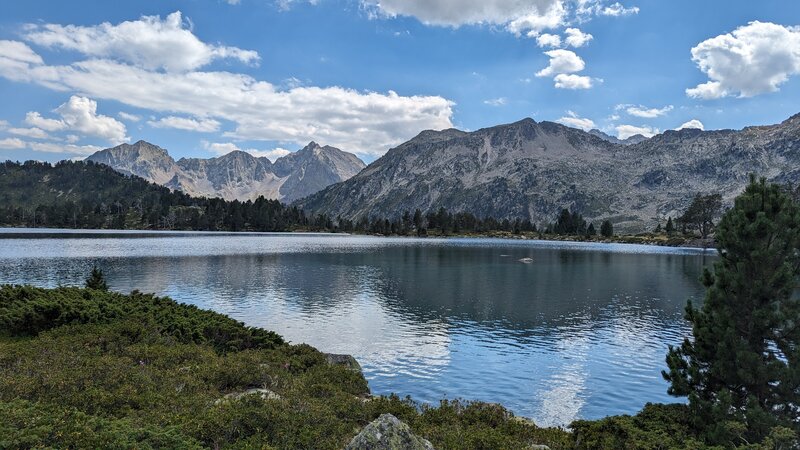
580, 332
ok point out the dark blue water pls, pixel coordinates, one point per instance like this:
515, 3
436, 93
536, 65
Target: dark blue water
580, 331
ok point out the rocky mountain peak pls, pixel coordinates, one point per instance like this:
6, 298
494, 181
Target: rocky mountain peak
532, 170
235, 175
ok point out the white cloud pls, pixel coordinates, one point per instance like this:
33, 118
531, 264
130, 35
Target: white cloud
572, 120
233, 2
645, 112
16, 58
500, 101
754, 59
149, 42
626, 131
362, 122
694, 123
577, 38
461, 12
272, 155
12, 143
51, 147
35, 133
223, 148
35, 119
561, 61
220, 148
128, 116
617, 9
80, 115
548, 40
572, 81
542, 18
186, 123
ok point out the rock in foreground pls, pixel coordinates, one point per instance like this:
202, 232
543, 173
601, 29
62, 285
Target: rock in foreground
387, 432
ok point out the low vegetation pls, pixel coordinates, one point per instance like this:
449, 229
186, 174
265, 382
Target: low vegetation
88, 368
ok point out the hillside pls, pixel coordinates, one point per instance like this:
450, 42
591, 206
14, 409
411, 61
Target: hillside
89, 195
533, 170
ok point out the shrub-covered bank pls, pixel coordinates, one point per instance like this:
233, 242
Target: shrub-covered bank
88, 368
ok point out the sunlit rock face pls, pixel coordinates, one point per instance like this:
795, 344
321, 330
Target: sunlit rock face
237, 175
533, 170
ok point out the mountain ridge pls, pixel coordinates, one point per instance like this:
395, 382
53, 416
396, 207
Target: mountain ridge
237, 175
529, 169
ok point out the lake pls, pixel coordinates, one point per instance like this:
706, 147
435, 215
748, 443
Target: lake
578, 331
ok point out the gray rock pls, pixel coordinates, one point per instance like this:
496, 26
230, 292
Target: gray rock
265, 394
236, 175
387, 432
533, 170
347, 361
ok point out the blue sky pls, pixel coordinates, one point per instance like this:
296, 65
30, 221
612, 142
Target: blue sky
203, 77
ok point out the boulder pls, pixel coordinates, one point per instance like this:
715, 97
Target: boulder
343, 360
265, 394
387, 432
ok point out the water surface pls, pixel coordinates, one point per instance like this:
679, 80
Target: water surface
579, 332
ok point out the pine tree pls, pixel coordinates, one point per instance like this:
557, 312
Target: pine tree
591, 231
741, 371
606, 228
670, 228
96, 280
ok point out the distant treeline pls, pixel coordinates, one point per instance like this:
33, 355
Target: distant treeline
88, 195
93, 196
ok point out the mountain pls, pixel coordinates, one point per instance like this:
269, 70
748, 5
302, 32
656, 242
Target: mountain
532, 170
635, 139
236, 175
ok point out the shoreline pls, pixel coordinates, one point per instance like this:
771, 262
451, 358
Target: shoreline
648, 239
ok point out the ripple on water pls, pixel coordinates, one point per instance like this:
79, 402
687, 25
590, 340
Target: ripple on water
581, 332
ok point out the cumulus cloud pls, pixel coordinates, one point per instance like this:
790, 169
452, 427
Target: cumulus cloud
694, 123
626, 131
12, 143
561, 61
363, 122
128, 116
33, 132
49, 147
645, 112
577, 38
533, 23
186, 123
35, 119
149, 42
548, 40
616, 9
272, 155
500, 101
52, 147
754, 59
573, 120
572, 81
80, 114
223, 148
461, 12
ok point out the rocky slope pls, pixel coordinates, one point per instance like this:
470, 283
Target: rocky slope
530, 169
236, 175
